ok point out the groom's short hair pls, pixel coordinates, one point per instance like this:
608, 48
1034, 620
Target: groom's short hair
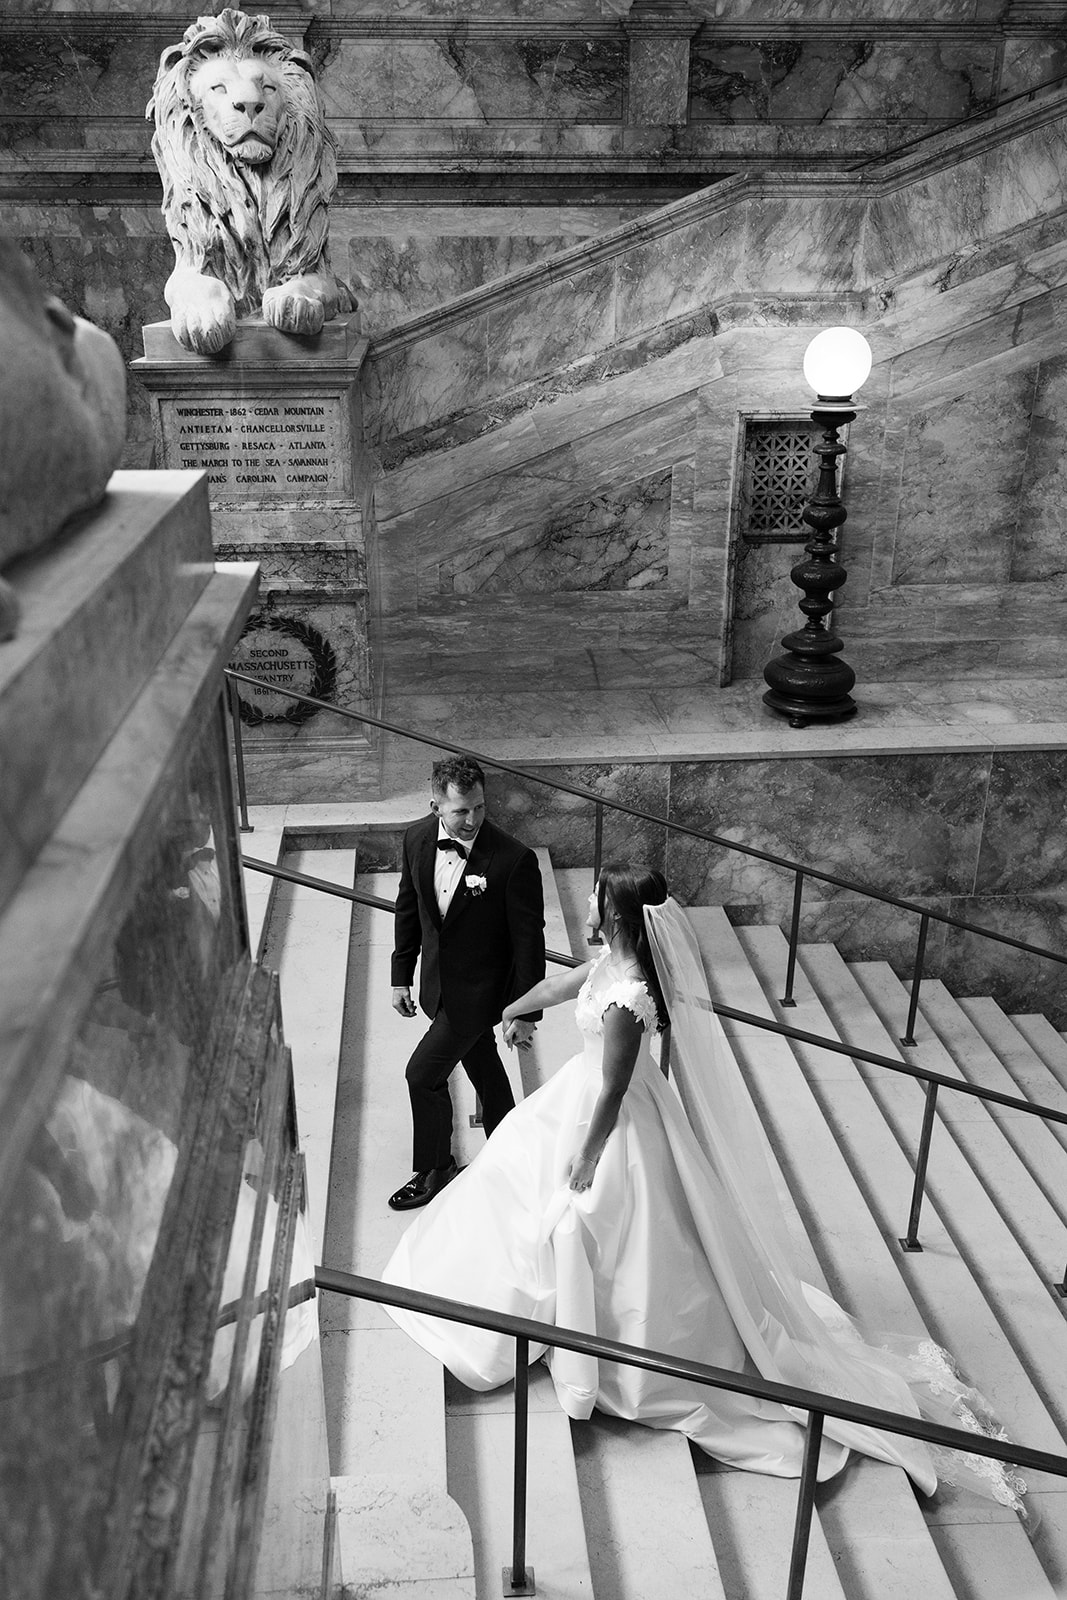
463, 772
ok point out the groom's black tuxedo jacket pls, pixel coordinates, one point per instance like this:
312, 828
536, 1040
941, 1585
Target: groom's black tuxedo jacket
490, 948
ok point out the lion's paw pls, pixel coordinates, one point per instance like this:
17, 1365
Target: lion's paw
293, 311
203, 330
202, 316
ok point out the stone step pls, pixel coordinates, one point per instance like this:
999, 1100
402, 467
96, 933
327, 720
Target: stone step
874, 1117
853, 1262
397, 1523
646, 1526
1043, 1038
1012, 1154
306, 942
1025, 1072
386, 1397
615, 1510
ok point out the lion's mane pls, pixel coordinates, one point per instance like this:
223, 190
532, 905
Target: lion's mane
249, 227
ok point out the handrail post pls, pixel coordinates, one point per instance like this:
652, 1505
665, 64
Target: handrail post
519, 1578
234, 700
805, 1503
911, 1240
598, 839
794, 934
916, 978
598, 850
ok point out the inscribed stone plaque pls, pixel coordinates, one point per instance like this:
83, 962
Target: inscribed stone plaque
258, 445
289, 653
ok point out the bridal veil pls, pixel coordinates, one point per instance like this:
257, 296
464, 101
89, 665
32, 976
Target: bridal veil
794, 1333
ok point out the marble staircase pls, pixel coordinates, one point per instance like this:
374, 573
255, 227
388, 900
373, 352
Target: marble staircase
615, 377
422, 1466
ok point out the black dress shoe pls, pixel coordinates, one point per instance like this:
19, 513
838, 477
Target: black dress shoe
421, 1187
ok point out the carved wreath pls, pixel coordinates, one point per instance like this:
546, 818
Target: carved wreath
324, 680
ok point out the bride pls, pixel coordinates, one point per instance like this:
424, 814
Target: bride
621, 1204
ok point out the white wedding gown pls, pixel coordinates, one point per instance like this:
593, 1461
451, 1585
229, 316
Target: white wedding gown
654, 1254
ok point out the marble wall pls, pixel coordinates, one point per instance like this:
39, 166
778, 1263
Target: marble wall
478, 139
976, 836
560, 372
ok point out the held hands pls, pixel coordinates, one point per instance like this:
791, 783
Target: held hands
580, 1172
403, 1002
518, 1033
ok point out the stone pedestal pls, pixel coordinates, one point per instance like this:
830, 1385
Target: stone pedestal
276, 423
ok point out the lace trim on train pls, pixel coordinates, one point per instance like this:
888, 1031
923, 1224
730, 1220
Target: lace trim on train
935, 1368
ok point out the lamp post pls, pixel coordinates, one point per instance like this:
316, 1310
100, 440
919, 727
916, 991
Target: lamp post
811, 682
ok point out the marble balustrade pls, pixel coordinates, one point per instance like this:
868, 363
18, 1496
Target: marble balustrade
155, 1311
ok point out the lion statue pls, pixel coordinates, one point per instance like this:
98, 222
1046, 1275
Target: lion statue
248, 169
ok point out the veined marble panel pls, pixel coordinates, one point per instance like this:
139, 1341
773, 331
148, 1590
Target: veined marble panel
810, 243
614, 385
1028, 62
956, 522
910, 824
565, 824
956, 208
399, 277
1024, 845
975, 285
813, 79
299, 564
514, 644
479, 79
409, 384
74, 72
920, 80
1013, 339
488, 508
685, 273
549, 325
1039, 547
615, 541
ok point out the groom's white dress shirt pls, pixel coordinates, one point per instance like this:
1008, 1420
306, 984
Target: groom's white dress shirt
448, 868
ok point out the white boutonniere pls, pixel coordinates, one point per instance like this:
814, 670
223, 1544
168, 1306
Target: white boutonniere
475, 882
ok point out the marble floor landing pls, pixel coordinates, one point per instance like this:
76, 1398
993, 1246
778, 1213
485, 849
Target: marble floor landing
693, 724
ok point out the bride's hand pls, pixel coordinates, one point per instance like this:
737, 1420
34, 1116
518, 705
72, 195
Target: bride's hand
580, 1172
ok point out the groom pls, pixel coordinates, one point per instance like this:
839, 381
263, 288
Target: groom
470, 901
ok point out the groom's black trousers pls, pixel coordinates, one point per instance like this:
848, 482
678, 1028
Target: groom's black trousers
435, 1057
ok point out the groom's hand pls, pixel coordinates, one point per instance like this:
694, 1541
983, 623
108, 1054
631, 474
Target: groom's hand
403, 1002
519, 1033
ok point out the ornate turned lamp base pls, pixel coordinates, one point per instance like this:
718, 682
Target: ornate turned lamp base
811, 684
800, 709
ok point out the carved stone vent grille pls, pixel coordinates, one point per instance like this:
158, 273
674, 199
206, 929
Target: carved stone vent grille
780, 469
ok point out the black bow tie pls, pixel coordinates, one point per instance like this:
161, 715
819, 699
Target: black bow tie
451, 844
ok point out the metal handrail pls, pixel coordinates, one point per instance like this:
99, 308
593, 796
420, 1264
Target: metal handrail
434, 741
525, 1331
933, 1080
